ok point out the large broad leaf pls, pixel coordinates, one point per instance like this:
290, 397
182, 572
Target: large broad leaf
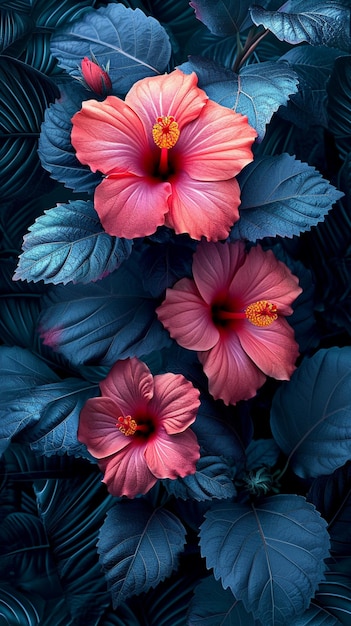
257, 91
25, 94
214, 606
102, 322
311, 414
56, 152
139, 546
331, 495
128, 42
68, 244
223, 17
319, 22
20, 370
212, 479
72, 512
281, 196
269, 554
339, 110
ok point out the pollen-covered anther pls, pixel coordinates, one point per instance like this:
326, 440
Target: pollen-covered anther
127, 425
165, 132
261, 313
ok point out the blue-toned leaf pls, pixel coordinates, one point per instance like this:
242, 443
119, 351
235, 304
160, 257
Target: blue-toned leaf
56, 430
313, 66
311, 414
50, 14
165, 263
20, 371
316, 616
139, 546
320, 23
102, 322
261, 452
68, 244
269, 554
223, 17
19, 608
131, 44
339, 110
212, 479
281, 196
257, 91
72, 512
331, 495
55, 149
25, 94
13, 26
334, 596
214, 606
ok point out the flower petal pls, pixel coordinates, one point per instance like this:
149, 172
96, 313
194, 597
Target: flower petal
187, 317
131, 206
231, 374
98, 430
170, 456
175, 401
273, 348
127, 473
173, 94
203, 208
214, 266
109, 137
130, 384
263, 277
216, 145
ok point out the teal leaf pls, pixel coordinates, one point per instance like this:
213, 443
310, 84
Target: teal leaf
13, 26
212, 479
139, 546
56, 430
261, 452
257, 91
68, 244
72, 512
281, 196
269, 554
128, 42
334, 597
25, 94
311, 414
99, 323
17, 607
214, 606
339, 110
50, 14
320, 23
55, 150
223, 17
316, 616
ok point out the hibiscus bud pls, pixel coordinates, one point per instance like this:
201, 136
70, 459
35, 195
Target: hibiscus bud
95, 76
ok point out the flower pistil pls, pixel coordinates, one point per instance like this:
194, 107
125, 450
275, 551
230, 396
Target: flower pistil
261, 313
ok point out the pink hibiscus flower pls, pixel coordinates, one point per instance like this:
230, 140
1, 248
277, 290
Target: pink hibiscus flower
169, 155
233, 315
139, 428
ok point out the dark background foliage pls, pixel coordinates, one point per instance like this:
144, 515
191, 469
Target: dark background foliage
70, 553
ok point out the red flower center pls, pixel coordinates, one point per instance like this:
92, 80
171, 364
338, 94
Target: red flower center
260, 313
141, 428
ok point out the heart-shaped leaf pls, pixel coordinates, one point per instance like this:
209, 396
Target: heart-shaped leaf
281, 196
214, 606
139, 546
270, 554
126, 41
311, 414
68, 244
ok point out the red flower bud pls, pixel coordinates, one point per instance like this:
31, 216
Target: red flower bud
95, 76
